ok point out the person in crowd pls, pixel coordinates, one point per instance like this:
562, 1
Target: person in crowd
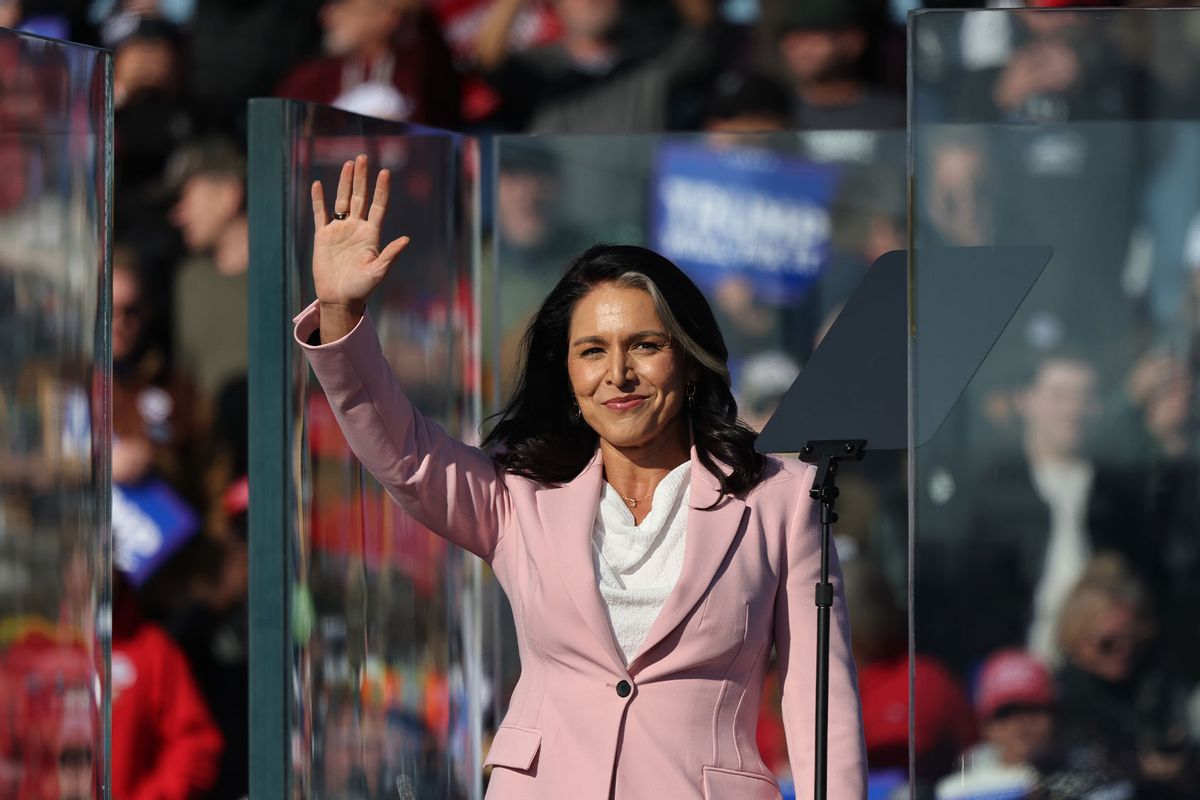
461, 21
593, 80
822, 44
155, 418
151, 120
211, 629
958, 204
533, 240
353, 757
164, 742
51, 730
747, 102
1117, 694
945, 724
229, 60
750, 324
1161, 392
210, 312
150, 117
1039, 513
1061, 68
622, 405
1064, 69
1014, 703
383, 58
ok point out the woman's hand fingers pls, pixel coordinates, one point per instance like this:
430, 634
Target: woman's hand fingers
390, 252
358, 193
342, 203
320, 218
383, 183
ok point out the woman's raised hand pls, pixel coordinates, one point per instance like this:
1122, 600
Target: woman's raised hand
347, 262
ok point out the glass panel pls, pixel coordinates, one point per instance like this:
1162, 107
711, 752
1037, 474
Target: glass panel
1057, 536
777, 230
381, 670
55, 118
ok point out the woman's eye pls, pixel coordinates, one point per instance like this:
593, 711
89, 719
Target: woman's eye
648, 347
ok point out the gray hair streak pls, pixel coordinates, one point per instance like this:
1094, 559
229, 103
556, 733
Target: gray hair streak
638, 280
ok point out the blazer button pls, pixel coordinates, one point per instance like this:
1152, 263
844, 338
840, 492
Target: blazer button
624, 689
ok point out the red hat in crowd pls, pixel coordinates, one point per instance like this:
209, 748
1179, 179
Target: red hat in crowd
1013, 677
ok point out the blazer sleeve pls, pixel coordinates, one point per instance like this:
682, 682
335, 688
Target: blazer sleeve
795, 648
455, 490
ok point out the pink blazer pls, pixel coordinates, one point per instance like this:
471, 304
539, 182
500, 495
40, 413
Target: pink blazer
679, 722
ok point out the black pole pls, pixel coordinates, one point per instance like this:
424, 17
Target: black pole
826, 455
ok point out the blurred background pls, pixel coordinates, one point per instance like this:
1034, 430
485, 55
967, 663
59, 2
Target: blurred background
1041, 589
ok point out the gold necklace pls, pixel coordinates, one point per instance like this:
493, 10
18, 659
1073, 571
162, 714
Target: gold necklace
633, 501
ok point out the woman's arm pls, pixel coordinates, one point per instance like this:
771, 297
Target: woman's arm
795, 648
455, 490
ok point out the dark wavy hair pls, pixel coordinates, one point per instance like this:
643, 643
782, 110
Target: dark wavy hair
538, 436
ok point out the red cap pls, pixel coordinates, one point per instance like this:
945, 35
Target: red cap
237, 497
1012, 677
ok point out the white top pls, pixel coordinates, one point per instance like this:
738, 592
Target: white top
637, 566
1065, 488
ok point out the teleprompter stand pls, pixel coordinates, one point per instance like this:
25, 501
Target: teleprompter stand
827, 455
857, 393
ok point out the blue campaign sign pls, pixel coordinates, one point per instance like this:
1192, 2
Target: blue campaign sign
149, 522
756, 214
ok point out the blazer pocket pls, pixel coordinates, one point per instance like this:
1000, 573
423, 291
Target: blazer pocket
732, 784
513, 747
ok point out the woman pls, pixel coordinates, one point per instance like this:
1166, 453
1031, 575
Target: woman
1118, 697
651, 557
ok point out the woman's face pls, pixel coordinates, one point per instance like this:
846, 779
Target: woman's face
1111, 646
626, 376
126, 314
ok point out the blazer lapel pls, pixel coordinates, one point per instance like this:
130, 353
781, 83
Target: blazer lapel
713, 523
568, 513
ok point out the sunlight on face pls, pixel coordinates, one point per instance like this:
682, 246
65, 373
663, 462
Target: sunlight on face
626, 376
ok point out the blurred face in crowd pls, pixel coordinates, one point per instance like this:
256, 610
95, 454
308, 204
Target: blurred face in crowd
126, 313
1108, 642
354, 26
75, 772
591, 19
1169, 406
1018, 733
958, 197
818, 56
626, 377
10, 13
354, 753
206, 205
524, 208
1058, 407
142, 66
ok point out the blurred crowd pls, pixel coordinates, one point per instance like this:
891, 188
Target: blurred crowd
1057, 552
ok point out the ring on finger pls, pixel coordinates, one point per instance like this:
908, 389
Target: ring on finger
341, 215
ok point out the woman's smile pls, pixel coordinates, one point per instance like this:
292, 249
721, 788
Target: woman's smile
625, 402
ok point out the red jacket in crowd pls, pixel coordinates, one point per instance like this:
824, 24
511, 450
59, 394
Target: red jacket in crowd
165, 745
